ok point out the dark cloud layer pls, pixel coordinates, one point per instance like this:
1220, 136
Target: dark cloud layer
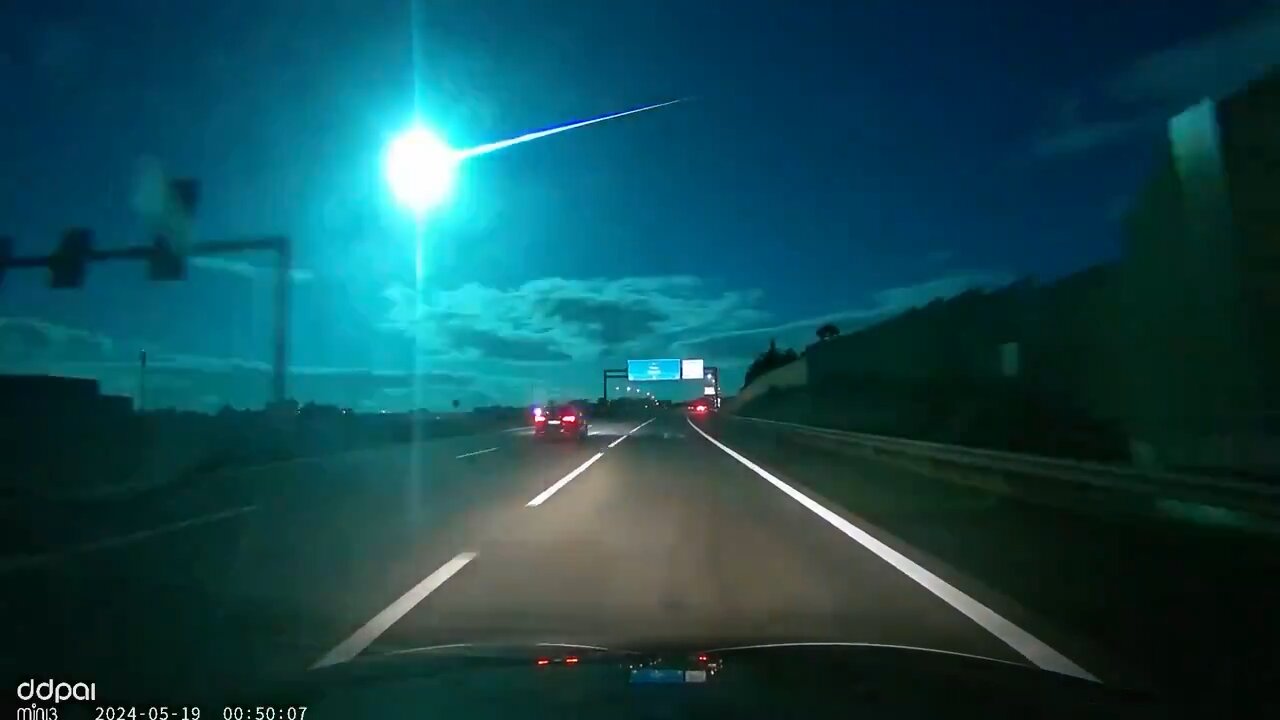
557, 319
740, 346
482, 345
1142, 94
32, 346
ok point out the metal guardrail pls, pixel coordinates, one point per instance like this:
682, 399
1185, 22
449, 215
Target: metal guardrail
1031, 474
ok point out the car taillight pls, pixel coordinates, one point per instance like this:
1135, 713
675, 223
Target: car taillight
569, 418
539, 419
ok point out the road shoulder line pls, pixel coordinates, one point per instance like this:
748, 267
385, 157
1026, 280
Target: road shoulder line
1021, 641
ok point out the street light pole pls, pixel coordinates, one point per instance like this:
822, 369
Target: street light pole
142, 380
280, 334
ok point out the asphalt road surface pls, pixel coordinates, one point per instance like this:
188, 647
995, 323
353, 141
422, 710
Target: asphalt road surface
648, 532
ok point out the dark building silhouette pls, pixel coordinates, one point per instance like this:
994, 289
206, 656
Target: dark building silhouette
62, 398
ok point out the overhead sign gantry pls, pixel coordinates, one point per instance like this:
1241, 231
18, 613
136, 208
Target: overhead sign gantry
667, 369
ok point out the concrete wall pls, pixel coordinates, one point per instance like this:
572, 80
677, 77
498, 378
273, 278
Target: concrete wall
1201, 288
1174, 351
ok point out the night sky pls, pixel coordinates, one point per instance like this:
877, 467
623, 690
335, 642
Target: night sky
841, 160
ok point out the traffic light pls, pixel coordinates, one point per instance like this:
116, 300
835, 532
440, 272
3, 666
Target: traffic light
67, 263
168, 260
6, 253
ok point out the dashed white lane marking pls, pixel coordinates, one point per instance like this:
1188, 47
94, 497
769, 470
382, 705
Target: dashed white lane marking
646, 422
22, 561
362, 638
628, 433
542, 496
1020, 640
477, 452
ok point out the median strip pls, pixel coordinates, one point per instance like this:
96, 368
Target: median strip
1015, 637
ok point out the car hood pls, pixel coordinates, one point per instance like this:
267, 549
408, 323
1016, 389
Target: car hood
470, 678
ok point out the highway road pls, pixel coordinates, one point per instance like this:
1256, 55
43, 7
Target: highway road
653, 531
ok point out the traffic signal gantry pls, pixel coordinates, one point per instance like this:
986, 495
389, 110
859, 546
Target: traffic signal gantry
166, 257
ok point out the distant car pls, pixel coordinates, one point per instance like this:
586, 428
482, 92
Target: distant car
700, 407
560, 421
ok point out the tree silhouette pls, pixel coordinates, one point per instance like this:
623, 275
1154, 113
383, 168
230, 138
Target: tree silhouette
770, 359
827, 331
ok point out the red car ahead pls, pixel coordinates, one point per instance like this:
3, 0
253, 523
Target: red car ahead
700, 407
560, 421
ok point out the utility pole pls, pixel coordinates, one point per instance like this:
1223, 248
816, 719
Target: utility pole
142, 380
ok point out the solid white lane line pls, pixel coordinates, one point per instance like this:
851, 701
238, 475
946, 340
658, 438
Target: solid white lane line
542, 496
477, 452
1020, 640
362, 638
615, 442
20, 561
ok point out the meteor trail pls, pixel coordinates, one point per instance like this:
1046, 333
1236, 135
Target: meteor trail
420, 167
500, 144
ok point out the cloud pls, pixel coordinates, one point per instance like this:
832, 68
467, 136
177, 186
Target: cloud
515, 347
1087, 136
558, 319
546, 339
1142, 94
740, 346
33, 346
208, 383
30, 342
1212, 65
248, 271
